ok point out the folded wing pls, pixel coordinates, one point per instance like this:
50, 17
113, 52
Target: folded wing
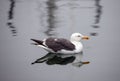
58, 44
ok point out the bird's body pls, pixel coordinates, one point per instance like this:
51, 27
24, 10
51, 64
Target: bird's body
59, 45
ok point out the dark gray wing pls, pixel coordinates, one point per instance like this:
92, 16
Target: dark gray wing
59, 43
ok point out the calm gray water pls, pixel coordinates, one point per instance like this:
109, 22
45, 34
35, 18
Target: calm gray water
21, 20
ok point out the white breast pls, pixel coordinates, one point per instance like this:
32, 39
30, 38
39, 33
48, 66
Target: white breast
78, 47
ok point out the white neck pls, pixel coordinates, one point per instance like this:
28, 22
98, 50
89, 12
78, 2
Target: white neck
76, 42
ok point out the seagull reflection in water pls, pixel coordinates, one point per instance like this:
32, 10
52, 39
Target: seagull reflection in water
62, 59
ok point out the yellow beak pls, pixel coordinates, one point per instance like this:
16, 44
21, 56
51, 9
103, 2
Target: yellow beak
85, 38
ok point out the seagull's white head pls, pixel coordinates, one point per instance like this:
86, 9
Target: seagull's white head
77, 37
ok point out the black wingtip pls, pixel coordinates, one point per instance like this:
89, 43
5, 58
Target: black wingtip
37, 41
32, 63
32, 39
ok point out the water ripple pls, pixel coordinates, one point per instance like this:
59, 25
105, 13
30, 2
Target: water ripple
10, 18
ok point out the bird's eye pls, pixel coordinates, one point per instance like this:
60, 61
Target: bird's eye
78, 36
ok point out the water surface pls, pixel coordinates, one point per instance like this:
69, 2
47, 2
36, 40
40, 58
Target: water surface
21, 20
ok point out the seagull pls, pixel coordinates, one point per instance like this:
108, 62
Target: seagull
62, 45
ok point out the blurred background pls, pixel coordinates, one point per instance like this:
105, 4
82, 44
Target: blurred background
21, 20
